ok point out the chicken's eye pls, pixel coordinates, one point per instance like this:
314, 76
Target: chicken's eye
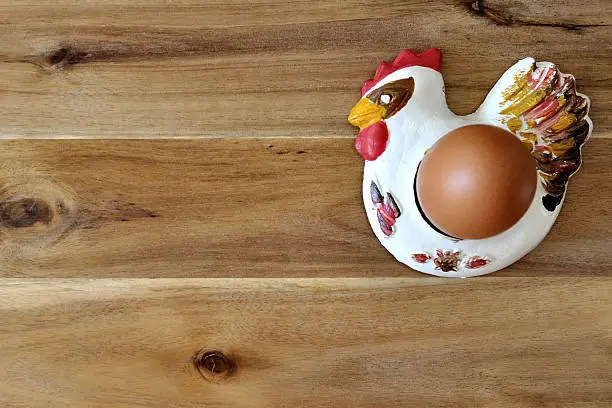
385, 99
393, 96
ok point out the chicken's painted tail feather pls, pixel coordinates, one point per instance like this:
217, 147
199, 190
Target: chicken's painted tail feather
540, 105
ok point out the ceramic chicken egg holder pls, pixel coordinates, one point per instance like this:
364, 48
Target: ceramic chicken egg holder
403, 112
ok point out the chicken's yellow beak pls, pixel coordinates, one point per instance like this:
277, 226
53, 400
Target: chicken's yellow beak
366, 113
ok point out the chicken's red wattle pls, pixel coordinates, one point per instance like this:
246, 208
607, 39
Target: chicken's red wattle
372, 141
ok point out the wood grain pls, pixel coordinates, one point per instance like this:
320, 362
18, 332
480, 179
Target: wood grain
226, 69
233, 208
568, 14
490, 342
253, 174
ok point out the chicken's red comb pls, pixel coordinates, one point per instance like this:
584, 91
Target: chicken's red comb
431, 58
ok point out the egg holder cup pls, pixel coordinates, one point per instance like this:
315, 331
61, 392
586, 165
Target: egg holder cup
532, 100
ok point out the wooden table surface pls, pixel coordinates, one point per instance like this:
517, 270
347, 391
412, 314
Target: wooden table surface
205, 144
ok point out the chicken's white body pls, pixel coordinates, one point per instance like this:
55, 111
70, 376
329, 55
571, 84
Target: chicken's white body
413, 130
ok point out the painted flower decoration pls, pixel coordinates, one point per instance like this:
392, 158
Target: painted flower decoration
447, 261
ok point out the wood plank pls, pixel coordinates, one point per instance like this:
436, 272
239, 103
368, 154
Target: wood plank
235, 208
261, 69
555, 14
502, 342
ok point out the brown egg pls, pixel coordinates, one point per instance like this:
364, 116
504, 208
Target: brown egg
476, 181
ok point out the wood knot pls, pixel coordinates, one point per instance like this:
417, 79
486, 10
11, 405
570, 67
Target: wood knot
65, 57
213, 365
34, 211
23, 212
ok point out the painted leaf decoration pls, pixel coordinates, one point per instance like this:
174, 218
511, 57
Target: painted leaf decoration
421, 258
386, 214
386, 229
375, 194
476, 262
392, 204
